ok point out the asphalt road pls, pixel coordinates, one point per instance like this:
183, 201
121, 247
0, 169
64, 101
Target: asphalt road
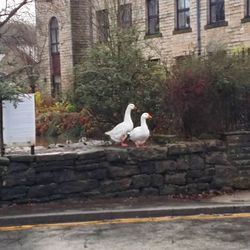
179, 233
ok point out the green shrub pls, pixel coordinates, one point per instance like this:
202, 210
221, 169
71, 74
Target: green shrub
115, 74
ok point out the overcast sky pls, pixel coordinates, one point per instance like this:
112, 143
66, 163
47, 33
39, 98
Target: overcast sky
27, 12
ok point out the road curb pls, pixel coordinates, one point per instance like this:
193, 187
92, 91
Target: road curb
81, 216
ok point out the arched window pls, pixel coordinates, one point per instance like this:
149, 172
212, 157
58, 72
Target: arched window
54, 35
55, 58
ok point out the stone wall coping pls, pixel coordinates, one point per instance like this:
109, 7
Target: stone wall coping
240, 132
167, 149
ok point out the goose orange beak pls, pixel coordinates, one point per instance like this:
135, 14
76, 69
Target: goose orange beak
150, 116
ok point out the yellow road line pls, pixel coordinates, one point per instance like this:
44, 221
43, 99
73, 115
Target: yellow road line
126, 221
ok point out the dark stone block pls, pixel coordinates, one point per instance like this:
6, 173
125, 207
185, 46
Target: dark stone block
128, 193
44, 178
152, 153
206, 179
195, 174
176, 179
177, 149
242, 182
165, 166
53, 165
64, 176
13, 193
197, 162
182, 163
150, 191
210, 171
94, 154
217, 183
147, 167
168, 190
39, 191
157, 180
77, 186
139, 181
99, 174
4, 161
226, 172
22, 158
203, 186
65, 163
214, 145
217, 158
117, 156
192, 189
17, 167
115, 186
123, 171
20, 178
80, 166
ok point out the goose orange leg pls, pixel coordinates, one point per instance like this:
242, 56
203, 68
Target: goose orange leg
122, 142
140, 145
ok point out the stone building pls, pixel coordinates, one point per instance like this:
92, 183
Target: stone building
173, 28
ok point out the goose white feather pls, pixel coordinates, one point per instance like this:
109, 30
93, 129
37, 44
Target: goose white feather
120, 131
139, 135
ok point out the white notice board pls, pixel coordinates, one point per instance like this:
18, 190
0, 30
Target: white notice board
19, 127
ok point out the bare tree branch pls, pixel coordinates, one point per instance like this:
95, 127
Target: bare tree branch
8, 15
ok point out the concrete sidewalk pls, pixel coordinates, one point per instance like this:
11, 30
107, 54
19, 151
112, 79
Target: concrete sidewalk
117, 208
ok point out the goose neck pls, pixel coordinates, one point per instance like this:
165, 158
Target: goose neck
143, 122
127, 116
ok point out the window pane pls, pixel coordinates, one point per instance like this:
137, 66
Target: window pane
213, 14
125, 15
153, 7
220, 11
153, 26
183, 20
53, 23
103, 24
54, 35
54, 48
217, 11
183, 4
153, 16
248, 7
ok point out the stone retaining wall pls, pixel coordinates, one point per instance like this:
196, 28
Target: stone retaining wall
183, 168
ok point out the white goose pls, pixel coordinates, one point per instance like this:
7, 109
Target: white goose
140, 134
120, 132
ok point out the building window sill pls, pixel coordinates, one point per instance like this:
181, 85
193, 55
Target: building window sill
181, 31
216, 25
149, 36
246, 19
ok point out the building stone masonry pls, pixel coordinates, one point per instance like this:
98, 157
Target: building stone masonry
77, 31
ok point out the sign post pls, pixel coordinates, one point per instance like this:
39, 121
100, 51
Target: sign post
19, 128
